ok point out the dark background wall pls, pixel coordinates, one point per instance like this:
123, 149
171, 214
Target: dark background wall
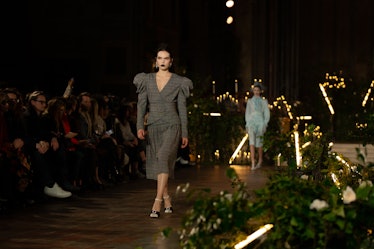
290, 44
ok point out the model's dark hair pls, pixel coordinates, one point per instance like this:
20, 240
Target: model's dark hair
164, 47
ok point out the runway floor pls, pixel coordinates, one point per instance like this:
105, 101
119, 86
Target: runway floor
116, 217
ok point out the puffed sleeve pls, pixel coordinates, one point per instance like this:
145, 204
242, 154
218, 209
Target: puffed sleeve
140, 81
184, 93
186, 87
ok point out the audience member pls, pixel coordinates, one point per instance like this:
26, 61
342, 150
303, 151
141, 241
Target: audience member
142, 143
87, 141
127, 139
38, 142
75, 156
54, 147
56, 124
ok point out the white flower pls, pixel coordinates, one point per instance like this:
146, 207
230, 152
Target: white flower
349, 195
184, 190
318, 204
366, 183
304, 177
228, 197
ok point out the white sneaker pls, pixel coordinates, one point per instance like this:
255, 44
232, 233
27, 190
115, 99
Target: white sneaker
56, 191
182, 161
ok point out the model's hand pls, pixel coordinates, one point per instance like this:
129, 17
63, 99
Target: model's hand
141, 134
184, 142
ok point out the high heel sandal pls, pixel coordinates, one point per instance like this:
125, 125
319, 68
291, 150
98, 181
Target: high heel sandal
168, 210
154, 213
253, 166
259, 164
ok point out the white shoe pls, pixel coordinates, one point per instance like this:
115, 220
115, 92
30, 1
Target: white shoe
253, 166
56, 191
182, 161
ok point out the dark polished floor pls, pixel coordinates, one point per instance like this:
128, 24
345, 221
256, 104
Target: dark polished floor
116, 217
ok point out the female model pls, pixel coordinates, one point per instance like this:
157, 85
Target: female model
164, 94
257, 116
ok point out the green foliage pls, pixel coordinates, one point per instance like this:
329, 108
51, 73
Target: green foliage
366, 132
215, 220
323, 203
210, 133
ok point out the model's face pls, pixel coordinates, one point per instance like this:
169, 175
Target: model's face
163, 60
256, 91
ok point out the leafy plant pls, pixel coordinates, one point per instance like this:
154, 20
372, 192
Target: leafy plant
211, 133
215, 220
324, 203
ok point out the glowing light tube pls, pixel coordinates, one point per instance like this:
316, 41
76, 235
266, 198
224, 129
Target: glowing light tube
254, 236
238, 148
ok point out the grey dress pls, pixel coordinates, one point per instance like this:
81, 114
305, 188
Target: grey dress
166, 121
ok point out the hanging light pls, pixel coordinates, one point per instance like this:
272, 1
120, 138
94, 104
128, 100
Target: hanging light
229, 20
229, 3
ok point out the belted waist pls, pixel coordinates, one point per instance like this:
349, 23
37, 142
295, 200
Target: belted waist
165, 107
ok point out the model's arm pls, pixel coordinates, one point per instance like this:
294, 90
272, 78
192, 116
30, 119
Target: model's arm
184, 93
266, 112
247, 112
140, 83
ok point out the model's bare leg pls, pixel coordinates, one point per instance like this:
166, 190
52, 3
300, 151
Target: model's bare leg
260, 157
167, 201
253, 151
162, 183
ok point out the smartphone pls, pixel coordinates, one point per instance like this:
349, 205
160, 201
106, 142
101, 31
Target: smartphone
109, 132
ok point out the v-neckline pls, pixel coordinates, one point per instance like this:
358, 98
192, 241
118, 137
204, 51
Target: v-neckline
166, 83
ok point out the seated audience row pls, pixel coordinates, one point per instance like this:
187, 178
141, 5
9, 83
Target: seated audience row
62, 145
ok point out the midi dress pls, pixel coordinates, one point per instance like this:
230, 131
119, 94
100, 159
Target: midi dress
257, 115
166, 120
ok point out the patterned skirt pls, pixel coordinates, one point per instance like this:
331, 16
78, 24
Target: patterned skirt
163, 141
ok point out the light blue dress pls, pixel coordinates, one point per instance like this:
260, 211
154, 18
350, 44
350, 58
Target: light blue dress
257, 116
